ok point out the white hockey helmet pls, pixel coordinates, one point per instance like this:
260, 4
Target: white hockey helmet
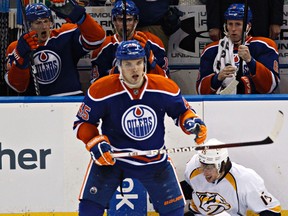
213, 156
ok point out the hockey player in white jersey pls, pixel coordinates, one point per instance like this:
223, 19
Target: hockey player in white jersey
214, 184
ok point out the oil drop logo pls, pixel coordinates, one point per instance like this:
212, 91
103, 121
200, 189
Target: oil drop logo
139, 122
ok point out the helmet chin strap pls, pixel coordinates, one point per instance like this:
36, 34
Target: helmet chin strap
133, 31
219, 168
219, 176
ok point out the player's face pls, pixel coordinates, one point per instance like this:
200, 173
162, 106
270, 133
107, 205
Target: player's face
210, 172
133, 71
234, 28
42, 27
131, 23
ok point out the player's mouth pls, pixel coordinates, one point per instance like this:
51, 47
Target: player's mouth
135, 76
44, 34
208, 178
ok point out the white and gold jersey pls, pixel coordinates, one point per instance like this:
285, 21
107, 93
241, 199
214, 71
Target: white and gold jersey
240, 190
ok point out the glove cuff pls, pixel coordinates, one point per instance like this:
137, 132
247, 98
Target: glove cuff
96, 140
188, 114
20, 61
153, 64
82, 19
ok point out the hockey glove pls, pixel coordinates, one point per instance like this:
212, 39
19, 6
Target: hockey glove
100, 150
25, 45
71, 12
196, 126
142, 39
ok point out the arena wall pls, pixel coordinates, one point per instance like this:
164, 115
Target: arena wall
42, 164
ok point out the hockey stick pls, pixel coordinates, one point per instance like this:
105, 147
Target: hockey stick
230, 88
124, 9
240, 87
33, 69
268, 140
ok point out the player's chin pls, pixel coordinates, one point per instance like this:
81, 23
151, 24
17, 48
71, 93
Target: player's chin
235, 38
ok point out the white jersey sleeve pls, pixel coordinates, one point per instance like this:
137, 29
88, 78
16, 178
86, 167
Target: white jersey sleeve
252, 191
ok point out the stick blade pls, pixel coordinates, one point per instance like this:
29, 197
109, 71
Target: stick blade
278, 125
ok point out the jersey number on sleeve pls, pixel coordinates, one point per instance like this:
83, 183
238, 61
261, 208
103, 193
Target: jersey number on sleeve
83, 112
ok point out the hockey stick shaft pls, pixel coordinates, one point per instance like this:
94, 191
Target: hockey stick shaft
245, 19
33, 69
124, 10
243, 37
241, 87
268, 140
192, 148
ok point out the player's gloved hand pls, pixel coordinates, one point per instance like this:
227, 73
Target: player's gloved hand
25, 45
100, 150
196, 126
58, 3
142, 38
70, 11
151, 58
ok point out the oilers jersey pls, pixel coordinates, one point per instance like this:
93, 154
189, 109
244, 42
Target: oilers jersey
262, 71
132, 119
103, 58
56, 60
241, 189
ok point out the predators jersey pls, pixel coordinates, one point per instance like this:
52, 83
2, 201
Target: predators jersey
241, 189
132, 119
56, 60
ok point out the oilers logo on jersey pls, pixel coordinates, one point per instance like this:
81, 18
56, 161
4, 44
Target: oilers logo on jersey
48, 66
237, 63
139, 122
236, 59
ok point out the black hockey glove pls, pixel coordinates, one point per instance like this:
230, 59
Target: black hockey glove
171, 20
71, 12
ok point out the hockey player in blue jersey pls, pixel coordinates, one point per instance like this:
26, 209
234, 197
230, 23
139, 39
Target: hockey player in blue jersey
220, 60
56, 52
103, 58
132, 113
